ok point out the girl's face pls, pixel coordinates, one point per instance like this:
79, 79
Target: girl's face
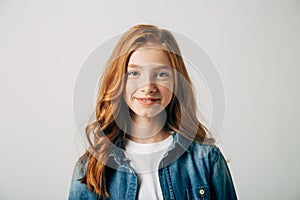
150, 82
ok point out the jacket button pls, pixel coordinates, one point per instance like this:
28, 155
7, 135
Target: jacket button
201, 191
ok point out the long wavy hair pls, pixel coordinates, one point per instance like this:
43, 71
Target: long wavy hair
104, 130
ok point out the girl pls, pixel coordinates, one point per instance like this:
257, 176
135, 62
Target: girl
146, 141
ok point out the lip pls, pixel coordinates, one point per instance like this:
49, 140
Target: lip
147, 100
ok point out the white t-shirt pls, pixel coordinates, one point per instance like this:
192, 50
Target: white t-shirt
145, 159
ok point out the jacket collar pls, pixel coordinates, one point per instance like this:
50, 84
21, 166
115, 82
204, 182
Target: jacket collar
178, 140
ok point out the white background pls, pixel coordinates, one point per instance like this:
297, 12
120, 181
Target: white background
254, 44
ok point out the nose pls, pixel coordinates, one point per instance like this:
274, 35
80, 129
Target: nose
148, 88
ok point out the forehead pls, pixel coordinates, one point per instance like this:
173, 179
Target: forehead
149, 55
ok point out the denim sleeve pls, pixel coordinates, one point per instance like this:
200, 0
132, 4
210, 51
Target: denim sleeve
78, 190
222, 184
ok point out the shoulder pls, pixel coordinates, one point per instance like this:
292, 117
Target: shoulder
198, 150
210, 152
79, 190
80, 168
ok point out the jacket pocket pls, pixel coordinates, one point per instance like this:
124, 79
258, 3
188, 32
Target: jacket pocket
198, 193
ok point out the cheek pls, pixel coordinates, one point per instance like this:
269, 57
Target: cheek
167, 88
167, 92
129, 89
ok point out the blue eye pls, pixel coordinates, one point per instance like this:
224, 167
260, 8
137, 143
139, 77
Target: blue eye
133, 73
162, 74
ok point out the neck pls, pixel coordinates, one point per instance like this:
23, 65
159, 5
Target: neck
151, 139
147, 130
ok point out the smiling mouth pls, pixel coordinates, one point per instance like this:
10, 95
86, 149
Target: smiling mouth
147, 101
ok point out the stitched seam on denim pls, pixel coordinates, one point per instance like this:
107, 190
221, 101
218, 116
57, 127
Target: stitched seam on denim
170, 186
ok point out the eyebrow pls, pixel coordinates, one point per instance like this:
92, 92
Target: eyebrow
160, 67
134, 66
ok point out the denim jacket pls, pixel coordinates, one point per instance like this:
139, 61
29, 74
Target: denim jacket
188, 170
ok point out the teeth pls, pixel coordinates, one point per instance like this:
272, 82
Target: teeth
147, 100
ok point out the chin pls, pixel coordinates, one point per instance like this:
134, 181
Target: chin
148, 114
